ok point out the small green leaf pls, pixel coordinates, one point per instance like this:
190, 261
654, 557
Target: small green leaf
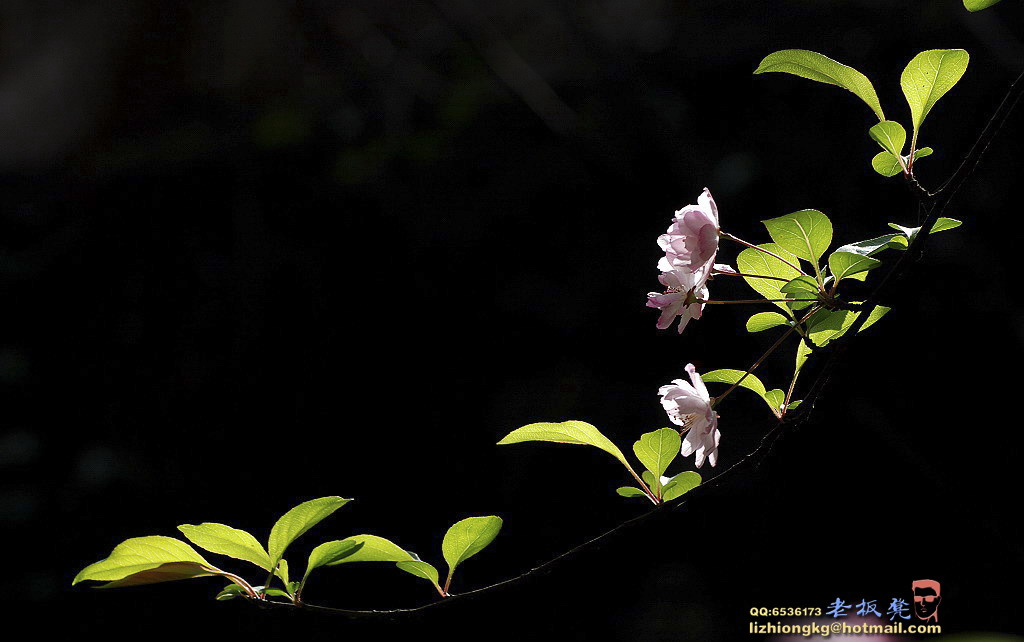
765, 321
978, 5
299, 520
566, 432
679, 485
630, 491
890, 135
282, 571
886, 164
846, 264
806, 234
928, 77
801, 287
730, 376
873, 246
419, 568
147, 560
921, 153
794, 404
468, 537
224, 540
941, 225
814, 66
657, 449
775, 398
274, 592
230, 592
330, 553
756, 263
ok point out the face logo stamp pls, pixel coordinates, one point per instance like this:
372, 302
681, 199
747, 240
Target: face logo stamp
926, 600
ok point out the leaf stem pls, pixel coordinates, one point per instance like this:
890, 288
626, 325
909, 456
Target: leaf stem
761, 249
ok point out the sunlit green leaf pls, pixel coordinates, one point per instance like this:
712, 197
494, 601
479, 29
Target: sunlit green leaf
775, 398
890, 135
225, 540
765, 321
330, 553
731, 376
657, 449
631, 491
814, 66
927, 78
978, 5
941, 225
806, 234
566, 432
873, 246
419, 568
922, 152
230, 592
374, 549
847, 264
886, 164
147, 560
468, 537
679, 485
299, 520
757, 263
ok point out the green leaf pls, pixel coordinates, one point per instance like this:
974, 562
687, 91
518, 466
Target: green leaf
921, 153
873, 246
886, 164
631, 491
273, 592
765, 321
679, 485
374, 549
890, 135
468, 537
299, 520
928, 77
649, 478
657, 449
282, 571
775, 398
224, 540
730, 376
230, 592
794, 404
757, 263
846, 264
330, 553
978, 5
802, 287
566, 432
147, 560
419, 568
941, 225
806, 234
814, 66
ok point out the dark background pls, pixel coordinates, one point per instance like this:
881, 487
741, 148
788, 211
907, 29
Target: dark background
259, 252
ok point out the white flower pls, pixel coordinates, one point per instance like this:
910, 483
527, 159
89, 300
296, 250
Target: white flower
689, 405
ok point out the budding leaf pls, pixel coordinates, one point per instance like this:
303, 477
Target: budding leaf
224, 540
814, 66
846, 264
299, 520
230, 592
765, 321
468, 537
886, 164
927, 78
679, 485
755, 263
147, 560
806, 233
775, 398
657, 449
566, 432
890, 135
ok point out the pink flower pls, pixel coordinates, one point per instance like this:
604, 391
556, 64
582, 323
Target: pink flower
692, 239
689, 405
683, 288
